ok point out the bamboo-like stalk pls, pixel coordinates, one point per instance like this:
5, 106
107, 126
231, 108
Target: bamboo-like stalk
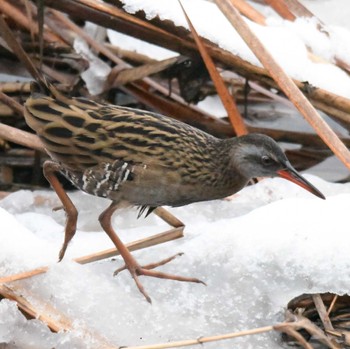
285, 83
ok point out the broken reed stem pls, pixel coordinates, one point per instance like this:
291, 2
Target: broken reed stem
18, 136
322, 312
49, 315
285, 82
10, 102
59, 323
153, 240
298, 337
331, 306
202, 340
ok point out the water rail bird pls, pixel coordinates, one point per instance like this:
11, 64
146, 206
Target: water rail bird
139, 158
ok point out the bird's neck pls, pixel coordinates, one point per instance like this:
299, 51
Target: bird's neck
226, 177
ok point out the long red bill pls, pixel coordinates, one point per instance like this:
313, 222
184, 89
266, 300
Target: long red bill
292, 175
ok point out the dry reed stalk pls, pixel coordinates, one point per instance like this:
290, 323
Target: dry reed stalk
17, 136
249, 11
282, 9
126, 76
10, 102
15, 87
15, 293
295, 322
24, 21
202, 340
298, 9
331, 306
290, 331
286, 83
18, 50
45, 312
153, 240
322, 312
222, 90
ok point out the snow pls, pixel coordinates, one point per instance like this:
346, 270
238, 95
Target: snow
269, 243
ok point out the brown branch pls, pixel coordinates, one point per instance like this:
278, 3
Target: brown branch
17, 136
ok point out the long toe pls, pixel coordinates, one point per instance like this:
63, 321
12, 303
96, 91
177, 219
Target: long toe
161, 275
141, 288
151, 265
162, 262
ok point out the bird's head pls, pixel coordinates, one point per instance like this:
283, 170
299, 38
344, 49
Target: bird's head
257, 155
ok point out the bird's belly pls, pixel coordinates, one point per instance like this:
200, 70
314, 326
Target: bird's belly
145, 190
174, 195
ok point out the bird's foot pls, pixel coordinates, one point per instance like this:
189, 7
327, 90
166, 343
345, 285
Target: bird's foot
136, 270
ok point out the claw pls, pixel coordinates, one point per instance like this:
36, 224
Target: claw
136, 270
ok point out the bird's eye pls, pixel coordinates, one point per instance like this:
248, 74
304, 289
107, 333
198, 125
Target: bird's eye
266, 160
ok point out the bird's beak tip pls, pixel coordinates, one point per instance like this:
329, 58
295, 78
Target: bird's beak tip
292, 175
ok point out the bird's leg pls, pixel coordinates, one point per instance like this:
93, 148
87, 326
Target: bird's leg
130, 263
50, 167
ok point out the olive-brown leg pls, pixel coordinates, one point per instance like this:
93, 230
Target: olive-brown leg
50, 168
130, 262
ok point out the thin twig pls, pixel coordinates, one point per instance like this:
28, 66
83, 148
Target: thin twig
331, 306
